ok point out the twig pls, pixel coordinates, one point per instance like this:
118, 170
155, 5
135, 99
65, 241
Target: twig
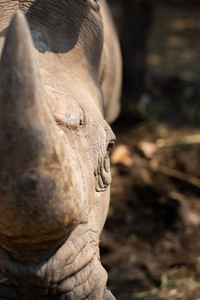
183, 140
172, 173
3, 280
145, 294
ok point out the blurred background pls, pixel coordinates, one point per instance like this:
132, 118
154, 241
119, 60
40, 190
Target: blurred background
151, 242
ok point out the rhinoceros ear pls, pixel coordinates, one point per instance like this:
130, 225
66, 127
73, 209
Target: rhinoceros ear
39, 195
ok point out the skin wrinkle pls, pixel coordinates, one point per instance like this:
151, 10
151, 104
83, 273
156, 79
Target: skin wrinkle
67, 265
81, 285
77, 258
80, 272
60, 11
88, 275
95, 279
83, 289
75, 278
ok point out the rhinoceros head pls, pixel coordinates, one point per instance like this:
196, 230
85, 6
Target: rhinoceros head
54, 150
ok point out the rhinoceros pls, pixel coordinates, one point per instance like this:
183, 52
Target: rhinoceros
60, 78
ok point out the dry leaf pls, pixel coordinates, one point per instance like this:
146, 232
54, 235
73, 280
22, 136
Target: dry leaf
122, 155
147, 148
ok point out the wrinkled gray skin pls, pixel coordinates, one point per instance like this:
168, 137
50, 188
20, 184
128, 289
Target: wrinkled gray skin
56, 99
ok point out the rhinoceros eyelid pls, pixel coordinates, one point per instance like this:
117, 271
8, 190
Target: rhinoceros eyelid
111, 145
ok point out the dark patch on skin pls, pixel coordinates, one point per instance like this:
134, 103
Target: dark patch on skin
31, 187
3, 32
28, 187
80, 14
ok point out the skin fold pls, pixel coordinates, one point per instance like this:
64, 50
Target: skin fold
60, 80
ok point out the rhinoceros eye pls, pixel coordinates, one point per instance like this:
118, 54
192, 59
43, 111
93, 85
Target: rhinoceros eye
111, 145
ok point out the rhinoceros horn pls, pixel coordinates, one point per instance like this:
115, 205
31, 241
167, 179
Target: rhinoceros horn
41, 187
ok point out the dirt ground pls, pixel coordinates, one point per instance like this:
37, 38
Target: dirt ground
151, 242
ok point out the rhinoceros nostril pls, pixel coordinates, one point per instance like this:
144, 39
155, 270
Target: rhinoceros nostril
28, 186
